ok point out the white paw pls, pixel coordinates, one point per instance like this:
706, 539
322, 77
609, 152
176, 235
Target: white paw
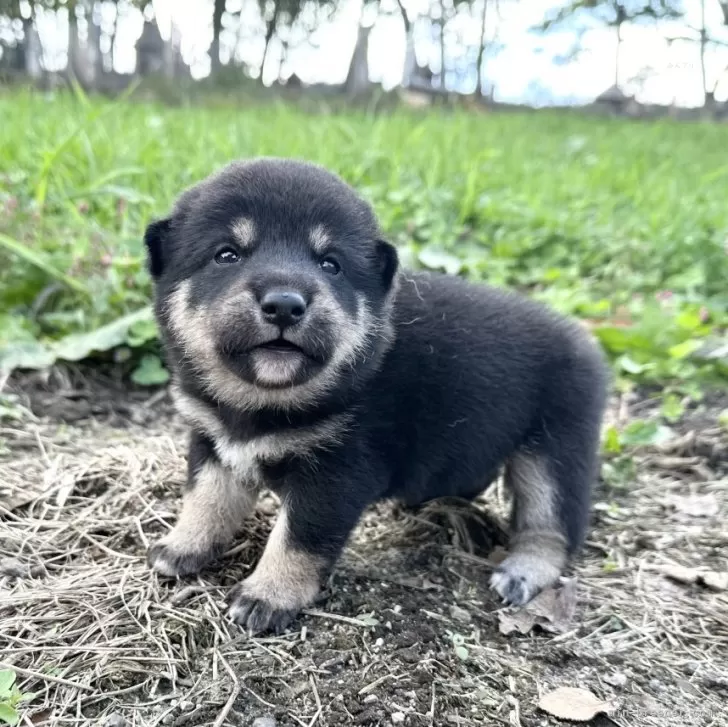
521, 576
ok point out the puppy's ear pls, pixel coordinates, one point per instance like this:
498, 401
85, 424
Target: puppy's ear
155, 238
388, 261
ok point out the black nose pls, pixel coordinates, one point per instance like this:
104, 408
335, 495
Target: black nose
283, 307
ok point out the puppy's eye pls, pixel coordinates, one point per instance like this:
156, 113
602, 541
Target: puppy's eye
330, 266
227, 256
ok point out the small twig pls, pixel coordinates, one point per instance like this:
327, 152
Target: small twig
312, 679
337, 617
431, 714
155, 398
220, 721
373, 685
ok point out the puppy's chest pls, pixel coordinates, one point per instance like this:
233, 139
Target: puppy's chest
261, 458
264, 460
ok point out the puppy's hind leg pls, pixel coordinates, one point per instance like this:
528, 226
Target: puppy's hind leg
551, 483
213, 508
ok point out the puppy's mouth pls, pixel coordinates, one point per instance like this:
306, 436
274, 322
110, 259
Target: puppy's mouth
280, 346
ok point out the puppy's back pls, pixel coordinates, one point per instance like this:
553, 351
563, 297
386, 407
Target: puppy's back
474, 371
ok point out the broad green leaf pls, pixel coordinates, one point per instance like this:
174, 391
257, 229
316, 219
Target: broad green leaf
629, 365
672, 407
684, 349
7, 679
25, 355
81, 345
436, 259
142, 332
150, 372
616, 340
645, 432
8, 714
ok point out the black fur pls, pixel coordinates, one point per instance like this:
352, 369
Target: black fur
464, 378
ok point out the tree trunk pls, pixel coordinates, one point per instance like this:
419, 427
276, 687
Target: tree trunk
481, 51
282, 59
410, 61
442, 45
269, 33
114, 32
724, 7
617, 54
217, 13
703, 43
357, 79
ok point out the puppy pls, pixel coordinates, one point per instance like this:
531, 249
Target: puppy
305, 362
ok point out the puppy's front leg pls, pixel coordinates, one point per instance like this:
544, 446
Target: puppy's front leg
312, 528
213, 509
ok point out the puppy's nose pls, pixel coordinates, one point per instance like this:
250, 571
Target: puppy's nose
283, 307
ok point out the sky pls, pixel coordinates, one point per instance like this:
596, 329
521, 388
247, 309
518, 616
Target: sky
530, 68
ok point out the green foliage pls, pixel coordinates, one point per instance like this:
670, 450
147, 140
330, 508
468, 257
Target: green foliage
10, 698
621, 224
150, 372
618, 467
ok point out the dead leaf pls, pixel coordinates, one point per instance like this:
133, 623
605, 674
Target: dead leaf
497, 555
616, 679
718, 581
460, 614
679, 573
689, 688
714, 580
695, 505
551, 610
573, 703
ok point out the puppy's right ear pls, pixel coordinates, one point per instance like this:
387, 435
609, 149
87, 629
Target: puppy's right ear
155, 238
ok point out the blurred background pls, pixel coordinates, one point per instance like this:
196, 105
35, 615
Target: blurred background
573, 150
625, 53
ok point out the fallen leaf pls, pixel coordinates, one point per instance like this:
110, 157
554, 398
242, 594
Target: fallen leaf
616, 679
573, 703
689, 688
695, 505
497, 555
718, 581
460, 614
679, 573
714, 580
551, 610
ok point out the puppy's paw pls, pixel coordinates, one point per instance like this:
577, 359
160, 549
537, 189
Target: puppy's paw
259, 606
521, 576
169, 557
258, 614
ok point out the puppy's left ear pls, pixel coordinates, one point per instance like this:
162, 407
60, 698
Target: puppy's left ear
388, 261
155, 238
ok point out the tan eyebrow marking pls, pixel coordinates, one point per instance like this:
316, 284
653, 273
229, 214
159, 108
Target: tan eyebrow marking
319, 239
244, 230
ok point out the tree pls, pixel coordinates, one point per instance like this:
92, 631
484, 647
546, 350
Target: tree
410, 61
702, 36
614, 14
285, 19
218, 11
481, 50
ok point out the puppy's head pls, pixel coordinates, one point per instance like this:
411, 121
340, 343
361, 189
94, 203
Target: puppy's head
273, 285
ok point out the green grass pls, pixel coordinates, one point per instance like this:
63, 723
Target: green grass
614, 221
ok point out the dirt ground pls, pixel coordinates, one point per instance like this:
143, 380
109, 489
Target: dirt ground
407, 631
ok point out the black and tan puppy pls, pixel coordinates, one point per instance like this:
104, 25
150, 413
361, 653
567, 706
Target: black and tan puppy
306, 363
